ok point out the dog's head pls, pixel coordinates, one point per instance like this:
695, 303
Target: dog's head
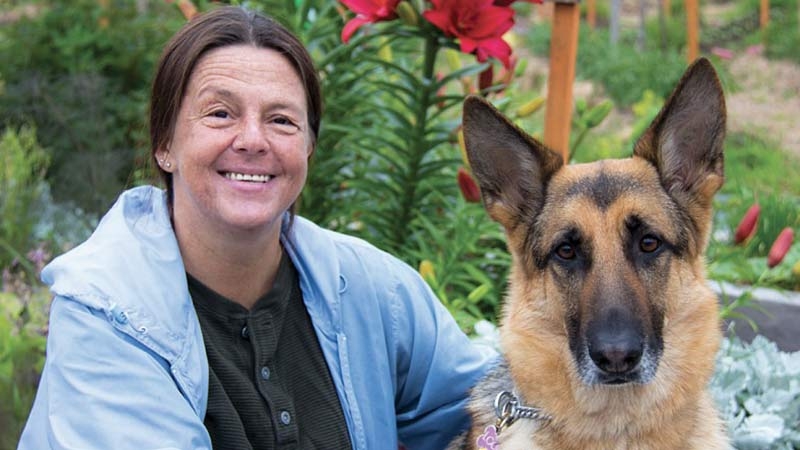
608, 256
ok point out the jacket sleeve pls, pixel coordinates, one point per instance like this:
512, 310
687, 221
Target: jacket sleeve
101, 389
437, 365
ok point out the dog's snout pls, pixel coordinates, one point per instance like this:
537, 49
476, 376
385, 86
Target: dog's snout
616, 343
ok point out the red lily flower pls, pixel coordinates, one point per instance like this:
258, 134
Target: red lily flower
479, 26
368, 11
469, 189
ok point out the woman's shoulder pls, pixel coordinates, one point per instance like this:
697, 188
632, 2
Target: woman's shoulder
350, 251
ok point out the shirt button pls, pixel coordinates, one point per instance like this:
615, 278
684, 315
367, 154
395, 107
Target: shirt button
286, 418
265, 373
245, 332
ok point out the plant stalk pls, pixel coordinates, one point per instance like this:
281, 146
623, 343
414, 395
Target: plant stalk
418, 143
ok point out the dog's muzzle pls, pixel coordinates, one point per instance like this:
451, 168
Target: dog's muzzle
616, 351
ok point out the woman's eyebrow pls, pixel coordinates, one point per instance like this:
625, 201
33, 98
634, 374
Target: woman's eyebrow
216, 91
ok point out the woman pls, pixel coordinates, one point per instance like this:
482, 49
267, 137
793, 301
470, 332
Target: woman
207, 314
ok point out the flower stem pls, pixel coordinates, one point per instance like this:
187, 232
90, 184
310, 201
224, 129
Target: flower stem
418, 144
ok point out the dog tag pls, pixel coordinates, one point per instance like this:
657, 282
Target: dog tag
488, 440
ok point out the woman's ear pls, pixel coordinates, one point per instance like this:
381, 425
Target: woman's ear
162, 159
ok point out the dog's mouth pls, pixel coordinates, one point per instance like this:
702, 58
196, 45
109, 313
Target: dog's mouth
617, 380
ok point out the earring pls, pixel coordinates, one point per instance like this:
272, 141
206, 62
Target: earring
168, 164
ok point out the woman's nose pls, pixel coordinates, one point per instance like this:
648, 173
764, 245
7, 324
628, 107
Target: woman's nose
251, 136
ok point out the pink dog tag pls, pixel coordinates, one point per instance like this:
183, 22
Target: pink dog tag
488, 440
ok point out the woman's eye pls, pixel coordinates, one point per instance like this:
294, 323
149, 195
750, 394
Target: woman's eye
566, 252
649, 244
282, 121
220, 114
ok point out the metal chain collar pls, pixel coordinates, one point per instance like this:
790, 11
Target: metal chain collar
508, 409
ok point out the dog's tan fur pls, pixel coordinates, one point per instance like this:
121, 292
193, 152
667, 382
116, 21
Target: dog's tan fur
614, 207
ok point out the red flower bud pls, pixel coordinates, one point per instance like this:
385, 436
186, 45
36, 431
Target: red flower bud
747, 227
780, 247
469, 189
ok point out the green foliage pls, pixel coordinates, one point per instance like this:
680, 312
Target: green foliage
645, 110
467, 261
81, 73
625, 74
758, 165
669, 35
23, 164
22, 345
585, 118
604, 146
783, 37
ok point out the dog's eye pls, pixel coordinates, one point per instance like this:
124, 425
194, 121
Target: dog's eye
649, 244
566, 251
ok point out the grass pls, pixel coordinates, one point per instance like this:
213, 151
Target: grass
756, 164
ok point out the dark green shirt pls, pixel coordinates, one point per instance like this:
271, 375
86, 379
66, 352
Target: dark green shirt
269, 386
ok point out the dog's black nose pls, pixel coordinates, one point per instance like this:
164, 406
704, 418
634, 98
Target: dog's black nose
616, 346
617, 357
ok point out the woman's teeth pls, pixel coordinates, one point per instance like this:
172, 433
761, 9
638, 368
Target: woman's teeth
247, 177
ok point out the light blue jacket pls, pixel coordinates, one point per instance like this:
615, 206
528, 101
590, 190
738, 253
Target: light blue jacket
126, 366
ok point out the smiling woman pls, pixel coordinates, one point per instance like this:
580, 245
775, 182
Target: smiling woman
208, 315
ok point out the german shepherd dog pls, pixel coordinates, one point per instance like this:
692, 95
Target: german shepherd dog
609, 331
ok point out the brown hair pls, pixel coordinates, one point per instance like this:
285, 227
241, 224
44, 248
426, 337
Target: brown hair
228, 25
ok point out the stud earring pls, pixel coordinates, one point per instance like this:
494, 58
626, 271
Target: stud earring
168, 164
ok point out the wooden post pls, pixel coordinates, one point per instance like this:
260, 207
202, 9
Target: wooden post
563, 54
591, 14
763, 17
692, 30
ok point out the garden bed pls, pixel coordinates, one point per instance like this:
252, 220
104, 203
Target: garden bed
775, 313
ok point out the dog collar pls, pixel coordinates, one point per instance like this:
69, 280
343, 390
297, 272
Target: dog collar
508, 409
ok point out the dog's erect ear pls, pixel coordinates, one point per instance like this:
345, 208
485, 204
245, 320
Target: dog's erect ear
685, 140
512, 168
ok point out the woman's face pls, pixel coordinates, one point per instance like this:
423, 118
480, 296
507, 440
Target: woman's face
239, 152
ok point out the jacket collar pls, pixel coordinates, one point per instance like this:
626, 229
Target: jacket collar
314, 253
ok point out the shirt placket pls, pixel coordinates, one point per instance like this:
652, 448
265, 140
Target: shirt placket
260, 331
